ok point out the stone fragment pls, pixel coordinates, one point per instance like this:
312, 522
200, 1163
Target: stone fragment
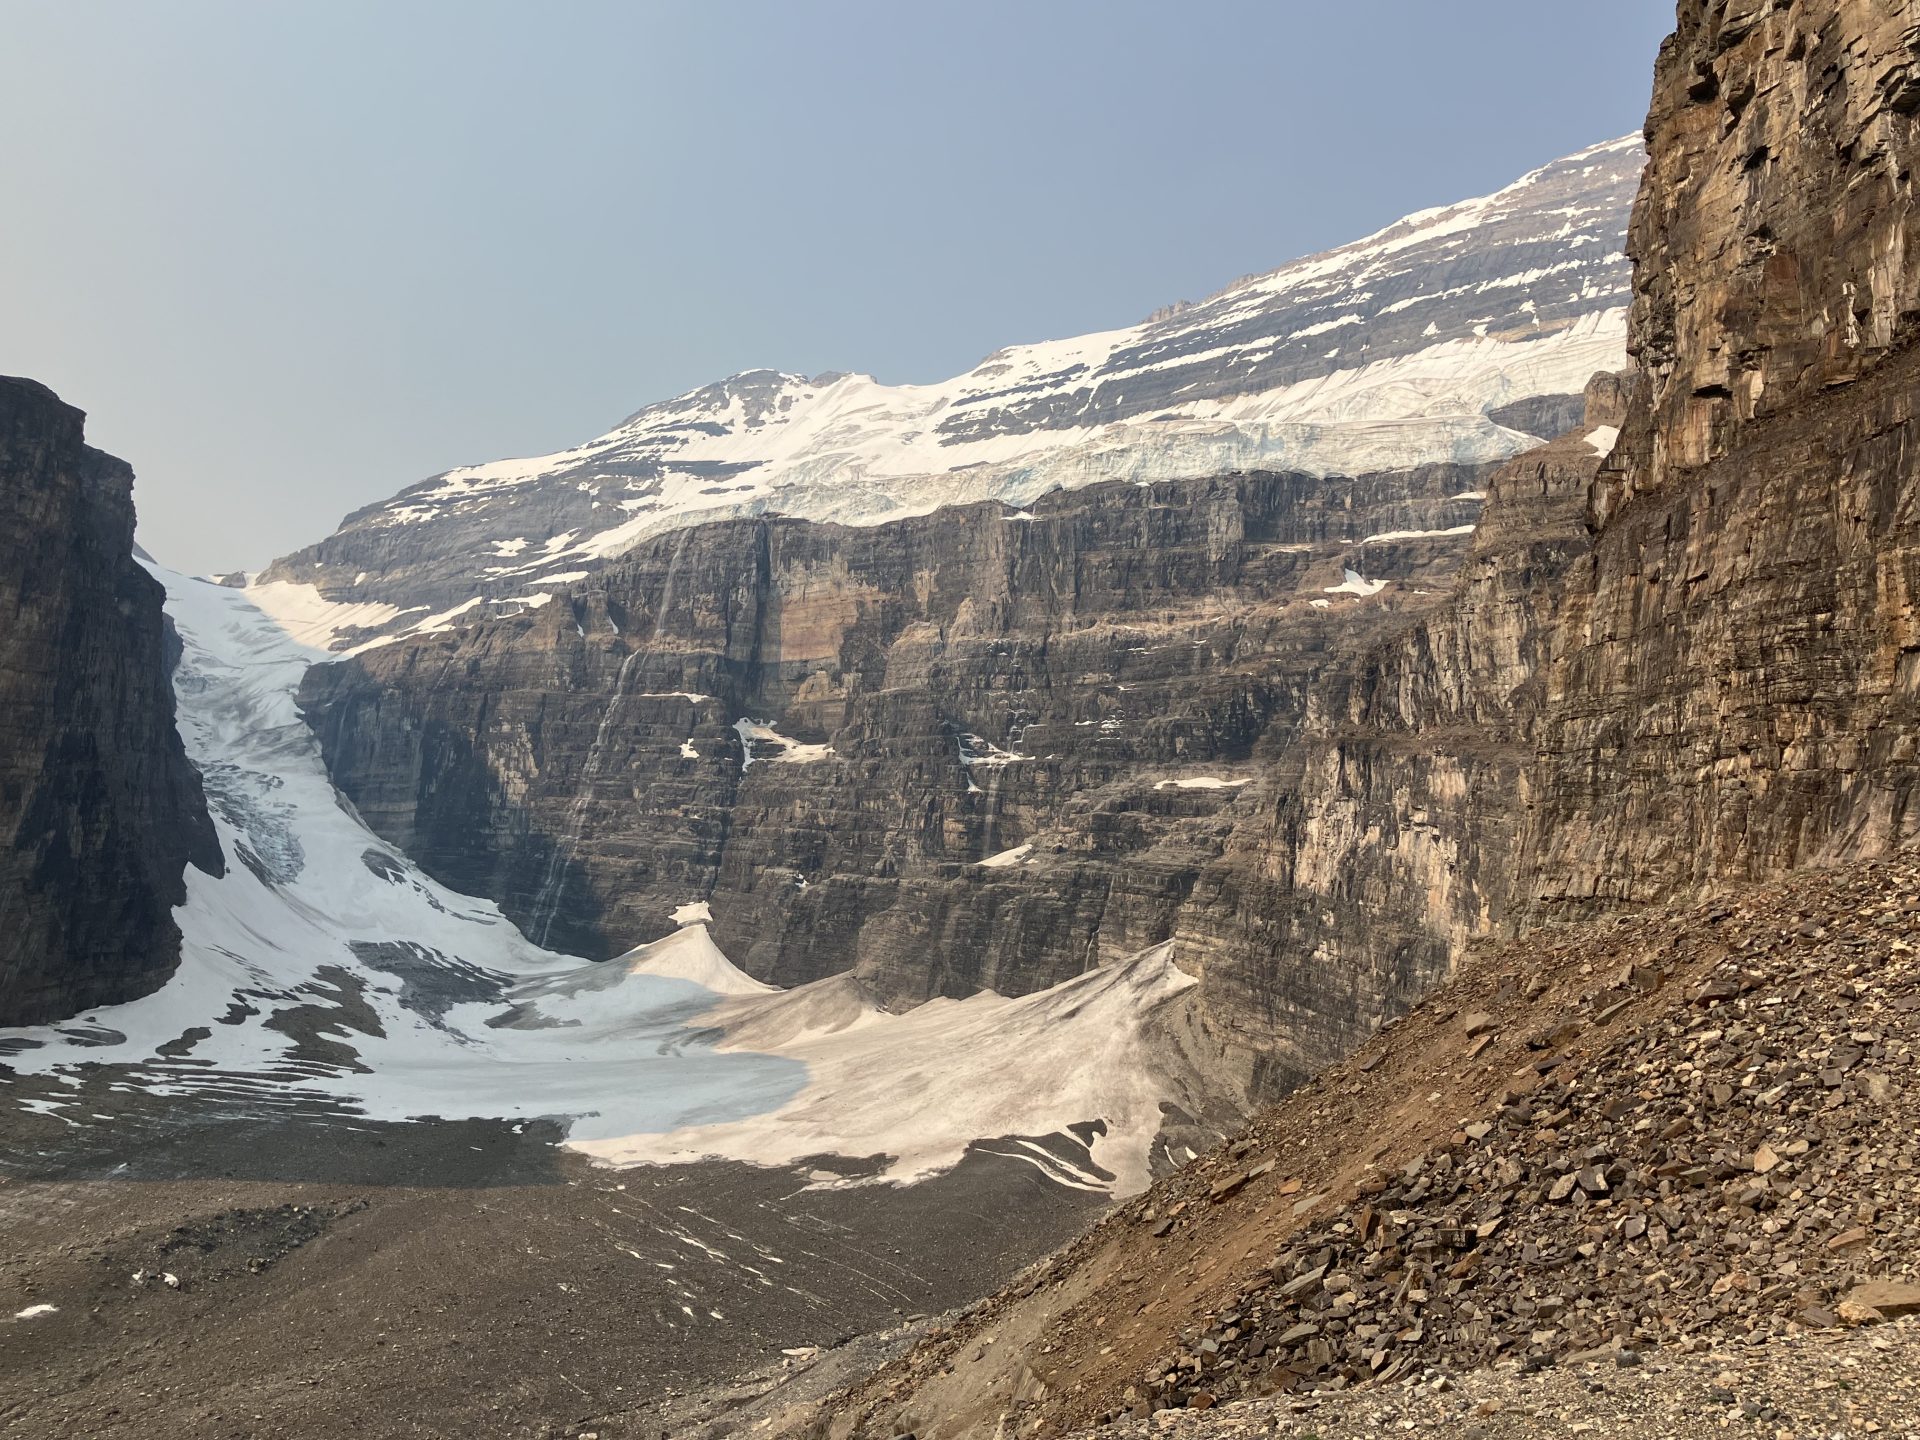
1890, 1298
1302, 1284
1716, 992
1230, 1186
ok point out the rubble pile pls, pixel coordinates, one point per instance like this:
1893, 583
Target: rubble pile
1721, 1140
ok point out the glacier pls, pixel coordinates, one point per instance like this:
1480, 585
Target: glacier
324, 968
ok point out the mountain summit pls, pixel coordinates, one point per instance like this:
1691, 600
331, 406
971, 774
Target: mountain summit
1439, 339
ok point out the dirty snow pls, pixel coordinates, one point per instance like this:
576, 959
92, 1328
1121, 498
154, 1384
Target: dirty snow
792, 752
1007, 858
924, 1086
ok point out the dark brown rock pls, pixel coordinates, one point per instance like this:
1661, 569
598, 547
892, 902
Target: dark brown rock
99, 809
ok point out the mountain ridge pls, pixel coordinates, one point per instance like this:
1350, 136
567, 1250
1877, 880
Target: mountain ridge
1402, 348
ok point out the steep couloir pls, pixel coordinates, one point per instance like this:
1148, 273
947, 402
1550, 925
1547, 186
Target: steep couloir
100, 811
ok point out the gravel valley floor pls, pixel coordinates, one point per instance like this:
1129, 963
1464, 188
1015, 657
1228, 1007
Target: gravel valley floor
332, 1276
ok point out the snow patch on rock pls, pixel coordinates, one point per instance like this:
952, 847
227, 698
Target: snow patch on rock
1006, 859
1388, 535
1354, 583
786, 751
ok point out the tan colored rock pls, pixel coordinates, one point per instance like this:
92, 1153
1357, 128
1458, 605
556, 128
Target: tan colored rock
1889, 1299
1747, 524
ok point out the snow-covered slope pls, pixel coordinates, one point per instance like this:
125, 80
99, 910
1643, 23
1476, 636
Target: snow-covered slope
1390, 352
925, 1086
325, 969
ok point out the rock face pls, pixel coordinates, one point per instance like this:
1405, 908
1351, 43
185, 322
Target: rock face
990, 747
1388, 833
1734, 692
982, 749
1704, 676
1457, 335
99, 809
974, 749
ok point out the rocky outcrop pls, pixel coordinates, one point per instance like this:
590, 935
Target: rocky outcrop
100, 811
1699, 667
1712, 684
1009, 744
1734, 693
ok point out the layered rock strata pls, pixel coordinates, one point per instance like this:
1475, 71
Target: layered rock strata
1734, 693
1388, 833
100, 811
980, 748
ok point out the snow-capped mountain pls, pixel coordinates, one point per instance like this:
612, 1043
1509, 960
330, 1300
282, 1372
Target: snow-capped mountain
1404, 348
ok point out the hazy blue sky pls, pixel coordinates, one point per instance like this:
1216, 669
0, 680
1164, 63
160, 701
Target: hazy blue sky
293, 256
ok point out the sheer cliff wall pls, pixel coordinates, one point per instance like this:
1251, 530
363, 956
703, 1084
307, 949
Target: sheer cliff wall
100, 810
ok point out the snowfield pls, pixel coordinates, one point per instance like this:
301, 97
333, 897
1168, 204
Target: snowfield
321, 939
1394, 351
